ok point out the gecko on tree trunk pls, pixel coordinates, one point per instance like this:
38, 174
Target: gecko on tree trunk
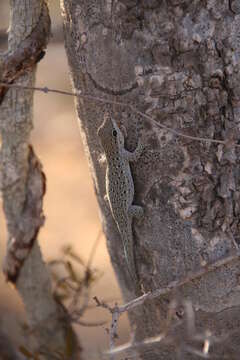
120, 187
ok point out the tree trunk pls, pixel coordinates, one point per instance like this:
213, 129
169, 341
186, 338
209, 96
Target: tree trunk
178, 62
23, 182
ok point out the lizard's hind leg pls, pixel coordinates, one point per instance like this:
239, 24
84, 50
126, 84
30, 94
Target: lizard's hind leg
135, 211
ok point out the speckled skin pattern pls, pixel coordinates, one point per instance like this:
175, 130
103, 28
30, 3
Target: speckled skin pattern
120, 186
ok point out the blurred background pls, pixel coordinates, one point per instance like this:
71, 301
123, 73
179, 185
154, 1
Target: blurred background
70, 205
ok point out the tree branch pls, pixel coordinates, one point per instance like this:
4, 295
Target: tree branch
23, 181
116, 311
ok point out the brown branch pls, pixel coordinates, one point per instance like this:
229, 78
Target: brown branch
23, 182
27, 54
134, 110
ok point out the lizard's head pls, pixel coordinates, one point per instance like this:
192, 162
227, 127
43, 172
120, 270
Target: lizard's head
110, 135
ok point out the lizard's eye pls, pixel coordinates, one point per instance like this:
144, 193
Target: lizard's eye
114, 133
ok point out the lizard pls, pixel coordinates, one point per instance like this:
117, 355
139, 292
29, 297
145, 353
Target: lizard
120, 186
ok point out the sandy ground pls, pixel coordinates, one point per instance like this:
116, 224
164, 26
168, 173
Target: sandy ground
70, 205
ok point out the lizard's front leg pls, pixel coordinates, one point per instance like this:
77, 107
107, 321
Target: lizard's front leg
135, 155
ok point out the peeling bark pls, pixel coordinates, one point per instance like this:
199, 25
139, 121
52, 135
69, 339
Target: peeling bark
30, 220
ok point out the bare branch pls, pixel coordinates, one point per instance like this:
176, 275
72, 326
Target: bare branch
194, 351
31, 50
114, 323
94, 248
176, 284
87, 323
191, 333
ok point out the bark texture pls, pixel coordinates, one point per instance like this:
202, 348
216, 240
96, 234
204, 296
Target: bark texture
23, 181
178, 61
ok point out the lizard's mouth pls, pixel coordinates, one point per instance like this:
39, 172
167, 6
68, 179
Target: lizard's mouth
103, 129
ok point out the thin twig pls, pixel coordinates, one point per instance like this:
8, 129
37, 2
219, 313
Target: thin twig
176, 284
206, 338
114, 324
85, 294
163, 337
194, 351
129, 347
113, 102
195, 275
94, 248
167, 336
87, 323
135, 302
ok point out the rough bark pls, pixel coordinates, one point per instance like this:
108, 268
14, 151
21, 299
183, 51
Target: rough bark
23, 181
177, 61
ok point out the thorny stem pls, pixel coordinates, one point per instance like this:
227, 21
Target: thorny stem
134, 109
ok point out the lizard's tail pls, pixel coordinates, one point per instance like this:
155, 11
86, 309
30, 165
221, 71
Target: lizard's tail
130, 260
131, 265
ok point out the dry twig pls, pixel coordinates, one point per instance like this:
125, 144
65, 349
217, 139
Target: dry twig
122, 104
191, 333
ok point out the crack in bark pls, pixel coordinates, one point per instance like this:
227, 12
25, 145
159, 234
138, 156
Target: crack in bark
111, 91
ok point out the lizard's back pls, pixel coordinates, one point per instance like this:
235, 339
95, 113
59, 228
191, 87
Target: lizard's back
119, 185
